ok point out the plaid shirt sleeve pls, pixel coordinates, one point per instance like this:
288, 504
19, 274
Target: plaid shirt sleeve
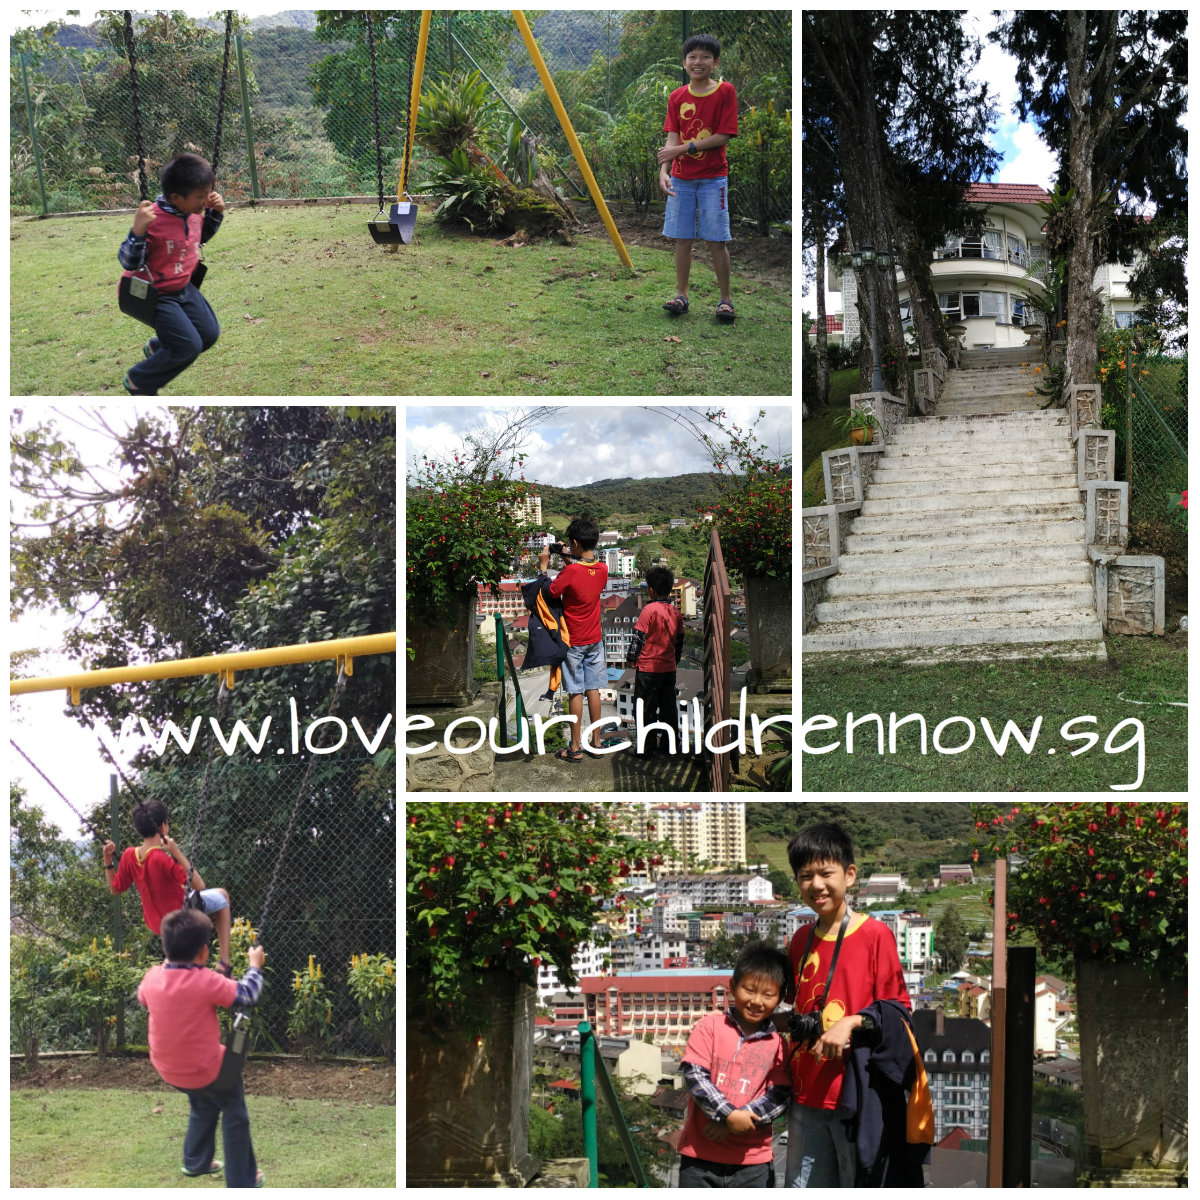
706, 1093
132, 252
249, 988
636, 646
774, 1102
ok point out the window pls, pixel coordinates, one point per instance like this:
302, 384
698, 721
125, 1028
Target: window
1017, 252
948, 1056
951, 305
1124, 320
968, 1056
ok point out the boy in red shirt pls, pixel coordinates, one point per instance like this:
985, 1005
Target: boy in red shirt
164, 244
694, 172
867, 969
580, 584
655, 650
185, 1044
162, 878
735, 1064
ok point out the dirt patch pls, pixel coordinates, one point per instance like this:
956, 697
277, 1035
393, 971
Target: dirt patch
289, 1079
766, 259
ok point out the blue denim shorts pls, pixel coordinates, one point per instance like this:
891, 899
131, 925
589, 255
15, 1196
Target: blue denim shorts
584, 669
699, 208
213, 899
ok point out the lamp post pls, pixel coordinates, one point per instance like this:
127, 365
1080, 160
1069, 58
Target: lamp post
866, 257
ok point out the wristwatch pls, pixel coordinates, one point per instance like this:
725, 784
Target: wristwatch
691, 147
112, 866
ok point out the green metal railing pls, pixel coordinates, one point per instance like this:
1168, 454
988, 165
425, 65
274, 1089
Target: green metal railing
504, 654
591, 1069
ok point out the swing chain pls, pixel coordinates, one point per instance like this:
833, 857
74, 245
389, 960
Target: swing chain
137, 110
223, 694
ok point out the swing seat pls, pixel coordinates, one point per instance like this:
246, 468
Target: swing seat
397, 227
137, 298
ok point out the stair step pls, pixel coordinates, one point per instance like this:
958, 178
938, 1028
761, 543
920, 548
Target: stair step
1068, 535
872, 583
971, 602
913, 481
952, 526
1031, 501
998, 628
914, 558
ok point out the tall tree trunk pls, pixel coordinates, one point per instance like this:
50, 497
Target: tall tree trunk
822, 332
923, 301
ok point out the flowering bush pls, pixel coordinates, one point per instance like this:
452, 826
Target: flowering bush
94, 983
310, 1020
372, 982
506, 887
461, 529
1098, 880
754, 511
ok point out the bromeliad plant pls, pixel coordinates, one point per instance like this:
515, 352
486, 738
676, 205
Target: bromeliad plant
503, 888
754, 513
1097, 880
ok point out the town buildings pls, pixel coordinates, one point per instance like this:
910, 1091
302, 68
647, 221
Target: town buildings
957, 1055
709, 831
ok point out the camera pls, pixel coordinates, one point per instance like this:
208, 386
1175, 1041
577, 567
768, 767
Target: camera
560, 549
805, 1028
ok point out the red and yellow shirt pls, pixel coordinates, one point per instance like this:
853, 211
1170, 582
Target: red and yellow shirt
159, 879
694, 117
580, 584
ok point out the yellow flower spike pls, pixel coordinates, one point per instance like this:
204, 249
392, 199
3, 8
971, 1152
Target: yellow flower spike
771, 106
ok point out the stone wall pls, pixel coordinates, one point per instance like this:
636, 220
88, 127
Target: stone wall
439, 770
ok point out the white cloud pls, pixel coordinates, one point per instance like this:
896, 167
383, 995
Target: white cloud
1033, 161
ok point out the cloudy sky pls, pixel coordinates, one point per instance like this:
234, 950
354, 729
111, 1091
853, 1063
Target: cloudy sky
582, 442
1026, 158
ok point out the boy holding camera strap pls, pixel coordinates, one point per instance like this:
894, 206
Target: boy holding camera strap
854, 964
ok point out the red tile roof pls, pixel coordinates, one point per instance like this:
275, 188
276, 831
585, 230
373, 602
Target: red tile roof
1007, 193
832, 325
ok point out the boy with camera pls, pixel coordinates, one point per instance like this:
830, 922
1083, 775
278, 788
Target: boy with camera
841, 964
579, 584
737, 1079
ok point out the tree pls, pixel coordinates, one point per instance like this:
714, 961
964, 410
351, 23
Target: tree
1107, 89
908, 135
950, 937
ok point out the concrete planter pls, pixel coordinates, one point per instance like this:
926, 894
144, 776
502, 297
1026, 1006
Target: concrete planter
443, 671
769, 622
467, 1122
1133, 1047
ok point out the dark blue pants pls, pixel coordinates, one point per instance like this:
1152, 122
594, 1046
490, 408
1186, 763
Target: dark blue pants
657, 689
185, 327
702, 1173
200, 1141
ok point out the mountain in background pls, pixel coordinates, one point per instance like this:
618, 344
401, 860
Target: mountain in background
673, 496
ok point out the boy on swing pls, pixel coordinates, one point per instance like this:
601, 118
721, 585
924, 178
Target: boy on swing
161, 878
165, 242
694, 171
185, 1044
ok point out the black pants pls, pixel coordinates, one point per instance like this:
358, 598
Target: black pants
657, 690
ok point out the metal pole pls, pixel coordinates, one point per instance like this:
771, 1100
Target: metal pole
116, 901
500, 676
876, 374
37, 152
587, 1095
1018, 1082
995, 1153
247, 124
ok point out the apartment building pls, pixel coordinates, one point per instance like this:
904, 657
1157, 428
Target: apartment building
708, 831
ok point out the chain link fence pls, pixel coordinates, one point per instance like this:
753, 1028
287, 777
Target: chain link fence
298, 119
335, 895
1146, 403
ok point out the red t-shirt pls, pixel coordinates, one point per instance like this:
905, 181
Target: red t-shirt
185, 1036
742, 1069
159, 879
868, 969
580, 584
694, 117
172, 248
660, 621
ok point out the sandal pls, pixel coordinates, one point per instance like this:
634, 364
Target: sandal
569, 755
678, 306
259, 1180
725, 311
213, 1169
132, 390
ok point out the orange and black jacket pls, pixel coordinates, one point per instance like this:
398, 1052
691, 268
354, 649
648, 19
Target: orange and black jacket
548, 636
885, 1101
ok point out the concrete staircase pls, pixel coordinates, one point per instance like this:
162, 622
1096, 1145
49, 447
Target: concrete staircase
971, 533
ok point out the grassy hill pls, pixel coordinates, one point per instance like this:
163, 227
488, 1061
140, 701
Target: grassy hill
625, 502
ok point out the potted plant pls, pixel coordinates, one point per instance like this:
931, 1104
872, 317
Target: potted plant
492, 892
463, 528
1106, 883
860, 424
753, 518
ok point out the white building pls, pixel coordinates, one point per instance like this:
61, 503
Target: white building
668, 952
716, 891
980, 277
588, 959
709, 831
618, 561
528, 510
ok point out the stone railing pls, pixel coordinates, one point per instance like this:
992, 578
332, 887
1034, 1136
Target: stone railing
930, 379
1130, 588
888, 410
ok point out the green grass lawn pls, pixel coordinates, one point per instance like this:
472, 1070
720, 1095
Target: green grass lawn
310, 305
1145, 669
130, 1139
